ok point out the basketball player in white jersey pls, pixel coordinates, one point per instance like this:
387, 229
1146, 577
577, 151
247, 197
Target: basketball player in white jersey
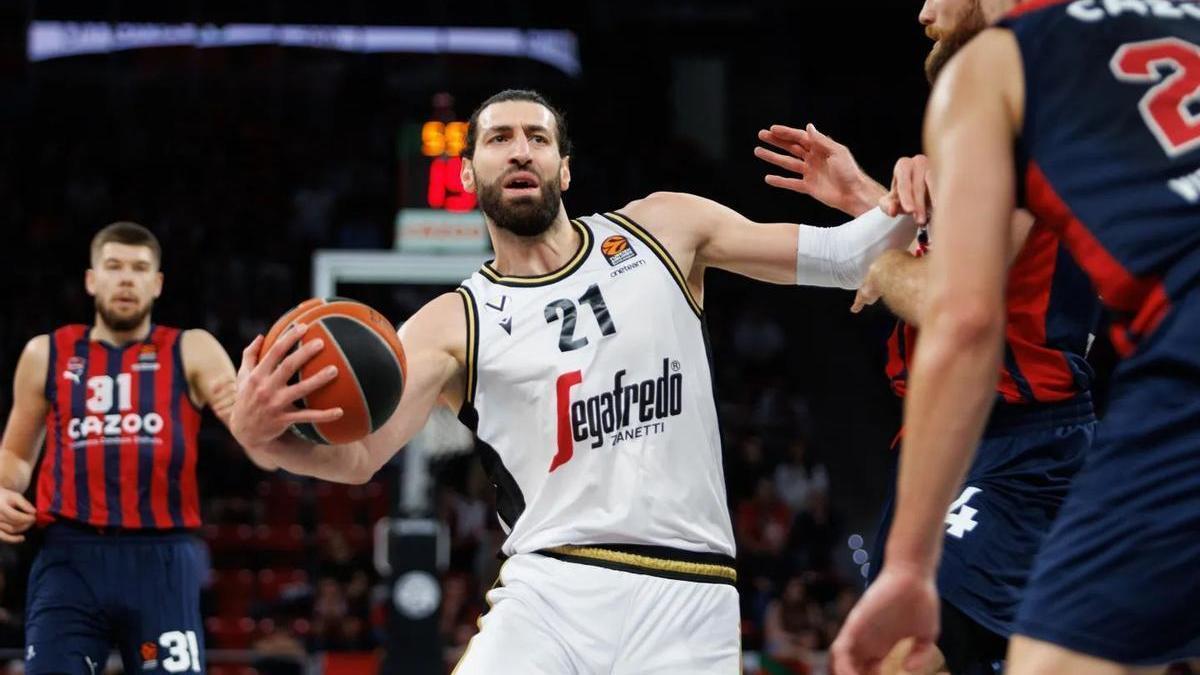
578, 357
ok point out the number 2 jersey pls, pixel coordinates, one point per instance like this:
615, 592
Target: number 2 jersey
590, 392
1109, 155
120, 433
1110, 150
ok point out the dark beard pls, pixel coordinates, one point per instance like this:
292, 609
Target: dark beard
525, 217
119, 324
952, 42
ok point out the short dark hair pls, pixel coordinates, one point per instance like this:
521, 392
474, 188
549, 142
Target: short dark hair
560, 122
129, 233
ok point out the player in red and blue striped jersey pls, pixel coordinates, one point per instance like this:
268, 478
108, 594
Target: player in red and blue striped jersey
118, 403
1082, 112
1041, 421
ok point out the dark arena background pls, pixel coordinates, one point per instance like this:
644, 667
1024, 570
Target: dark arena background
281, 150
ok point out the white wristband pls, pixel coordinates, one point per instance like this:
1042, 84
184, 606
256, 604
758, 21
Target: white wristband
839, 257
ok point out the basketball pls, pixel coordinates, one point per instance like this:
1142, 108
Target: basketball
363, 345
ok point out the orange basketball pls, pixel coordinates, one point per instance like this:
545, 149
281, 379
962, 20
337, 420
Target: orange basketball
370, 362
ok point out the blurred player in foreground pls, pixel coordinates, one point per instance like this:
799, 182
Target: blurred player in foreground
1078, 111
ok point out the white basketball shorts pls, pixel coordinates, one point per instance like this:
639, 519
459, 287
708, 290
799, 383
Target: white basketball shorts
552, 616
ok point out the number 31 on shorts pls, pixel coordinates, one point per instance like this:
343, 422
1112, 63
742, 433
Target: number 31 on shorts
183, 654
960, 519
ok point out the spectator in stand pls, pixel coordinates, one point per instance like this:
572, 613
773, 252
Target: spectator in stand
358, 590
338, 560
799, 476
469, 524
279, 652
330, 610
460, 610
762, 531
748, 466
814, 534
840, 610
757, 338
792, 627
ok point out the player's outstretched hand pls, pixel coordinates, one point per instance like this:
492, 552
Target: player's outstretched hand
827, 170
16, 516
265, 403
912, 190
901, 603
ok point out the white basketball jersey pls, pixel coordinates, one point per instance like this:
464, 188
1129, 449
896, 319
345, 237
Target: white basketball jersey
590, 392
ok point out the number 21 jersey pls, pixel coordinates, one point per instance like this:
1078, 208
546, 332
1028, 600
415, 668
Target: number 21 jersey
590, 393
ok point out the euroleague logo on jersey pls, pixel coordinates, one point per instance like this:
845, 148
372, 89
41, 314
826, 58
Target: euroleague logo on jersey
147, 358
626, 411
616, 250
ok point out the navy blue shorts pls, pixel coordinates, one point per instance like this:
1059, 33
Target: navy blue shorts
1018, 482
90, 591
1119, 575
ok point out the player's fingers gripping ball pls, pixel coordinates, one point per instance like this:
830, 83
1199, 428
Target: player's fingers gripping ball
372, 369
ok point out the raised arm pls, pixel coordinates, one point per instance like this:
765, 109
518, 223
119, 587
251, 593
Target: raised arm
22, 439
701, 233
435, 349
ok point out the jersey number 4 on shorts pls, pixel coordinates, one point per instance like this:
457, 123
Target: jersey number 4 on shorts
960, 519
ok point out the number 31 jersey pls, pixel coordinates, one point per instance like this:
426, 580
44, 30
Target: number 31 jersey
590, 393
120, 433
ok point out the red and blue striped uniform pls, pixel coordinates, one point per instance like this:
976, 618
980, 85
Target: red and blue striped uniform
1052, 311
1037, 436
120, 434
1036, 439
1109, 157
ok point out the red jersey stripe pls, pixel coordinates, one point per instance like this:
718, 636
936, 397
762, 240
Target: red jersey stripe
1143, 298
1030, 283
159, 484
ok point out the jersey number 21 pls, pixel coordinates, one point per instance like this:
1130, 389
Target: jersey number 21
566, 310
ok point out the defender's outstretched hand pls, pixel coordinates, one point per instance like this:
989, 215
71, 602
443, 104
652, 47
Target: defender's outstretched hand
912, 191
827, 169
